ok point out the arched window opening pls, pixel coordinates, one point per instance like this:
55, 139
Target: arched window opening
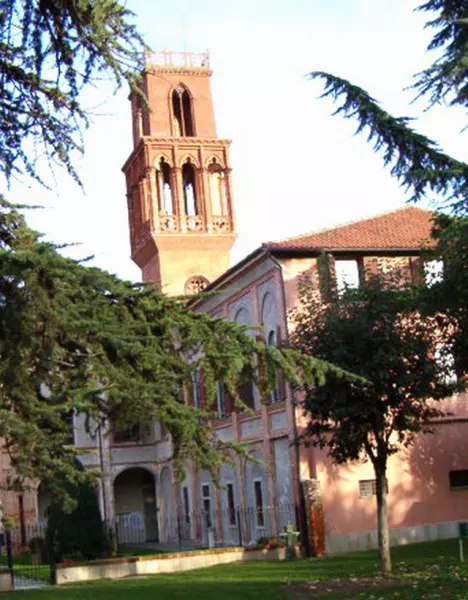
218, 194
182, 113
272, 339
190, 189
187, 114
177, 113
166, 202
278, 393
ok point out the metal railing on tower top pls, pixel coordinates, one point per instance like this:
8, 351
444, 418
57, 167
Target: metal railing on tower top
198, 60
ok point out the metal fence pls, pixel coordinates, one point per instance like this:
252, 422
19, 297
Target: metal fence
227, 527
29, 553
26, 551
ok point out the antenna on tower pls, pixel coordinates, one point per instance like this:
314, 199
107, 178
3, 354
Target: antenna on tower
182, 9
184, 32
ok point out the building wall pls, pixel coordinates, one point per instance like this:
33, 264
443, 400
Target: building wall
418, 477
255, 297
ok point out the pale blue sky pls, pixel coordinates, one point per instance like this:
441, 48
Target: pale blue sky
295, 168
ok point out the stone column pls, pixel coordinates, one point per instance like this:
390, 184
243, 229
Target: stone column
270, 470
315, 516
155, 208
218, 516
179, 198
229, 198
208, 216
240, 472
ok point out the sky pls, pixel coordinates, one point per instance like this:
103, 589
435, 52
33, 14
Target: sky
296, 168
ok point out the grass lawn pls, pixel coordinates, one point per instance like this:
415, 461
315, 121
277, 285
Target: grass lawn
421, 571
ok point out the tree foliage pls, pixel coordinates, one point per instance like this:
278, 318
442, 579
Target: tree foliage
405, 357
414, 159
75, 338
446, 80
80, 533
50, 50
418, 162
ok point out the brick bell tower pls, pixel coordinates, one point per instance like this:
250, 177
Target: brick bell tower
178, 176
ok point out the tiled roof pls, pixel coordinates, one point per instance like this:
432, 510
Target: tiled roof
407, 228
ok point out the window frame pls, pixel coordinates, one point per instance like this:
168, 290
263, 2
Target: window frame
206, 504
259, 508
373, 487
231, 503
186, 503
341, 286
457, 487
128, 435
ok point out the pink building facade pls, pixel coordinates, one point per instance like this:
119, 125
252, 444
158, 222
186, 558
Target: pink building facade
427, 483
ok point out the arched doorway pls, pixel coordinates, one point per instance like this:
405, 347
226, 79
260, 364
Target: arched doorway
135, 506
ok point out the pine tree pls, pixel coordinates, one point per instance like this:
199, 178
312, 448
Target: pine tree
50, 51
415, 160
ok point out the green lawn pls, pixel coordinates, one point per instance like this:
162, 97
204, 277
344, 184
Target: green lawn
422, 571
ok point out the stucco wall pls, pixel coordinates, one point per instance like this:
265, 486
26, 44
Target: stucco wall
418, 481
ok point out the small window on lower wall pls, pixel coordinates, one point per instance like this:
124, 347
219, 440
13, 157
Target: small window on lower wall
368, 488
258, 493
231, 504
458, 479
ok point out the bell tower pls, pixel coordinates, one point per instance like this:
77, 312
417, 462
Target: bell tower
178, 176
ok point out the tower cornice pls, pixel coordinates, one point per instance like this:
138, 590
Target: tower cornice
172, 141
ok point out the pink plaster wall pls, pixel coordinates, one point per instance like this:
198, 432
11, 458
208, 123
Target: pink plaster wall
418, 480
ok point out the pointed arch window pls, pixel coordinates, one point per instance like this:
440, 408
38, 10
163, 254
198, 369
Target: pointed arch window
190, 189
164, 179
217, 181
182, 113
278, 393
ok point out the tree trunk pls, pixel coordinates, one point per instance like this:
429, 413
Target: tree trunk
382, 519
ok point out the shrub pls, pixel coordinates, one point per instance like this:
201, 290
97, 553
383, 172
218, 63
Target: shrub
79, 534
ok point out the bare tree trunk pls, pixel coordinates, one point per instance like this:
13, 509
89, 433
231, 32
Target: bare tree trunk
382, 519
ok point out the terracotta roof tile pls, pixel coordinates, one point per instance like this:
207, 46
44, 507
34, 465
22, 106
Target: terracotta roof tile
406, 228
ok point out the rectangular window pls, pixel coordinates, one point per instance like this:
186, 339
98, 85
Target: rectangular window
220, 400
68, 417
196, 390
445, 361
433, 272
186, 503
458, 479
231, 504
125, 436
368, 488
258, 493
347, 274
206, 504
246, 393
